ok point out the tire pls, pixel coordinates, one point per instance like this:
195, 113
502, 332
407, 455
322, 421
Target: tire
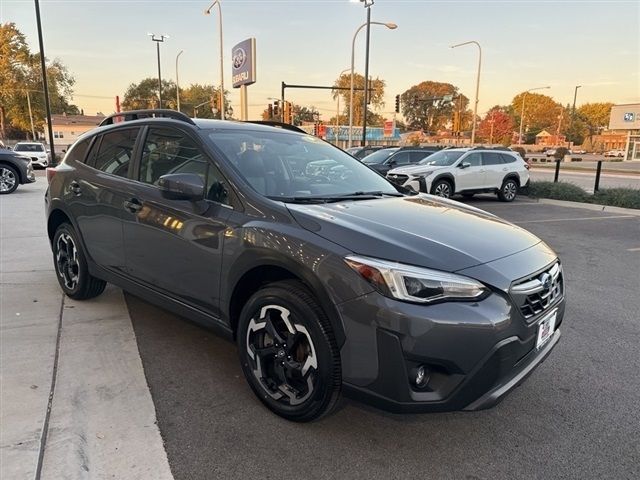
70, 263
282, 323
442, 188
9, 179
508, 191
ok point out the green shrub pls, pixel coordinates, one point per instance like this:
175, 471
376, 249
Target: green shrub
560, 153
614, 197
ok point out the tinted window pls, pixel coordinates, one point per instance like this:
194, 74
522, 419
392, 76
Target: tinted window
401, 158
506, 158
473, 159
115, 152
78, 152
28, 147
491, 158
169, 151
443, 158
379, 156
415, 157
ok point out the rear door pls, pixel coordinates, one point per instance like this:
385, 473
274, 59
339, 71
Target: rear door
175, 246
495, 169
96, 195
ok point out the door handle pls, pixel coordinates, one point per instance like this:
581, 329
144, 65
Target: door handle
505, 169
132, 205
75, 188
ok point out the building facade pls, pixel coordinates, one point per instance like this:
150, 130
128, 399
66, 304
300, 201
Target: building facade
625, 120
67, 128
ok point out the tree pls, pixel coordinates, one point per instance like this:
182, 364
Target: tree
144, 95
595, 117
21, 73
540, 112
198, 94
376, 95
424, 107
497, 126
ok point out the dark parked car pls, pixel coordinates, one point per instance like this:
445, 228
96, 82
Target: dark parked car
384, 160
14, 170
361, 152
328, 282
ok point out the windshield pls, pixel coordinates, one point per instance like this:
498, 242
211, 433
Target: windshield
28, 147
379, 156
292, 167
443, 158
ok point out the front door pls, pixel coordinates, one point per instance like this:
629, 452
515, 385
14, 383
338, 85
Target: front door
175, 246
472, 176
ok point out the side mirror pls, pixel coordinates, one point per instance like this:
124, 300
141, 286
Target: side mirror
464, 165
182, 186
391, 162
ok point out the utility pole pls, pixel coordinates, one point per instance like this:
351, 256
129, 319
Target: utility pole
33, 131
367, 5
45, 85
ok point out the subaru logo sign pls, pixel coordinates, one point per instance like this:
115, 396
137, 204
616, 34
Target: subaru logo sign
545, 279
243, 62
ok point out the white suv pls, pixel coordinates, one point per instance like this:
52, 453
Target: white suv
34, 150
466, 171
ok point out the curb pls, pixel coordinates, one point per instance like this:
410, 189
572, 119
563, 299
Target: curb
588, 206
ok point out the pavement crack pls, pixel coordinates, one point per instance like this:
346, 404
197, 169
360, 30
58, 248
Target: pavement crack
54, 375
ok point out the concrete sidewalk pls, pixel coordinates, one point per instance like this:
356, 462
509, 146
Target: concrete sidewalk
74, 402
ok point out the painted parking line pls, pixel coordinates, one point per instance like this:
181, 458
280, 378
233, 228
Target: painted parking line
575, 219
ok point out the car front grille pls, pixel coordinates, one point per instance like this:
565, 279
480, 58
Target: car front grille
399, 179
533, 295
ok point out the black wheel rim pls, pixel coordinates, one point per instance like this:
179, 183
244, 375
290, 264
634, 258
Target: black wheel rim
67, 261
509, 190
443, 190
282, 356
7, 180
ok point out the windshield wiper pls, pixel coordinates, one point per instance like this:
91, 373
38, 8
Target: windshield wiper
336, 198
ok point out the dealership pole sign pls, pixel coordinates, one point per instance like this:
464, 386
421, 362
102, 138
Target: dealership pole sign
243, 57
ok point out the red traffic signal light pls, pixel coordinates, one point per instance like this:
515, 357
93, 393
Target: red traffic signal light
397, 103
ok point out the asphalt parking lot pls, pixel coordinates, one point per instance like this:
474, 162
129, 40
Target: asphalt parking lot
577, 416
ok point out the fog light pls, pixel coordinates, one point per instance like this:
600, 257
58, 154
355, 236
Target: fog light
420, 376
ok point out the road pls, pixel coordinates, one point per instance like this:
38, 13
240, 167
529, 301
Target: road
576, 417
586, 180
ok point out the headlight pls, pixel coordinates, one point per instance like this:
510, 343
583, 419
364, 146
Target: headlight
415, 284
425, 174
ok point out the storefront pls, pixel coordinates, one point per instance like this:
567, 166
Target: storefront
626, 119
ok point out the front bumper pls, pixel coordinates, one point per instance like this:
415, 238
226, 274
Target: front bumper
475, 353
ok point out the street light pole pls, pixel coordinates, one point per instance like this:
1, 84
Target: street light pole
43, 69
390, 26
522, 110
208, 12
573, 109
158, 40
365, 103
338, 107
475, 107
178, 81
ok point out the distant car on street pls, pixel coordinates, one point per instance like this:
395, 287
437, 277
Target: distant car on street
33, 150
14, 170
614, 153
361, 152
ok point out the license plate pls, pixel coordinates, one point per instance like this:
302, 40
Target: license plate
545, 329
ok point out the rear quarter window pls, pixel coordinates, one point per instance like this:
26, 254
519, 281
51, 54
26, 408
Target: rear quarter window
78, 152
506, 158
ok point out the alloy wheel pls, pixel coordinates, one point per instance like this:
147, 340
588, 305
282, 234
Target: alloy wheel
443, 190
282, 356
7, 180
509, 191
67, 261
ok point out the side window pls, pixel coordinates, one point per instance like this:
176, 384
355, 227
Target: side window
115, 151
401, 158
491, 158
506, 158
473, 159
415, 157
78, 152
168, 151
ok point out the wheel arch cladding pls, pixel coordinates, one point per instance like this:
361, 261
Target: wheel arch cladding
513, 176
56, 218
253, 277
445, 176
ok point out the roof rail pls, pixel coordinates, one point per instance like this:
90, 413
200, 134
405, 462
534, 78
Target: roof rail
284, 126
502, 149
138, 114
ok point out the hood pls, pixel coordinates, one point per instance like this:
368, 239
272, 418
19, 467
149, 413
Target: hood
414, 169
31, 154
418, 230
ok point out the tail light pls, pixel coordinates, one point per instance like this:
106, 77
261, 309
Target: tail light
51, 172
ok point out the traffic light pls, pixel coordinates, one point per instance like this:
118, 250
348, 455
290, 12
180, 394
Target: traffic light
288, 113
315, 129
276, 108
270, 110
397, 103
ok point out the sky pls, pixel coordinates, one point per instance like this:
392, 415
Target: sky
525, 44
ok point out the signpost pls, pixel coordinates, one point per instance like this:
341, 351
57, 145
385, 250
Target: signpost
243, 57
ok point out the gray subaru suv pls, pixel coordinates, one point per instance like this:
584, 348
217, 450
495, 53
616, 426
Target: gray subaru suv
328, 277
